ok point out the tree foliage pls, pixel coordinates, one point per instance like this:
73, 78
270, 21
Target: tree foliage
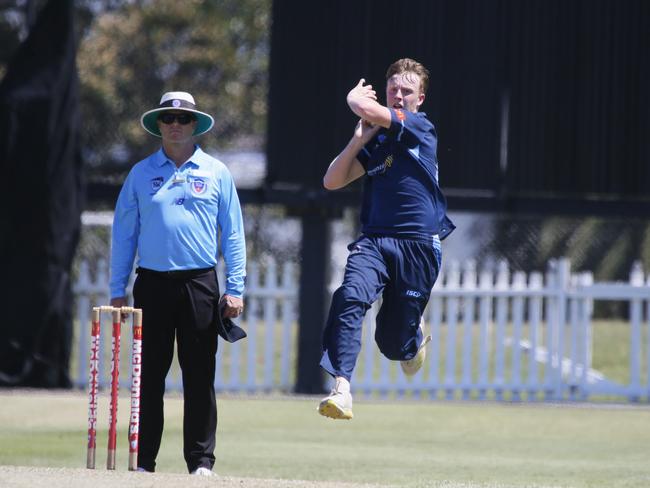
132, 51
128, 57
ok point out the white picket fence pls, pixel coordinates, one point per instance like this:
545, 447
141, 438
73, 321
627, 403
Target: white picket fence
496, 335
263, 362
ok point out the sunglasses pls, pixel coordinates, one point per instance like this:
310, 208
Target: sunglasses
169, 118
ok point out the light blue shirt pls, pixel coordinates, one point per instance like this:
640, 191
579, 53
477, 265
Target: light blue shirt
174, 218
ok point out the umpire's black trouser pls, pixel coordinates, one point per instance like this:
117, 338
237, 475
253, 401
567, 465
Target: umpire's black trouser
181, 306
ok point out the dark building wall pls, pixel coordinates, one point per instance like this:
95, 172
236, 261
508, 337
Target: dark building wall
529, 98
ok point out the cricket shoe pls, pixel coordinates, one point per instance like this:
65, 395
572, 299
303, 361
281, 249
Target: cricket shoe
338, 405
413, 365
202, 472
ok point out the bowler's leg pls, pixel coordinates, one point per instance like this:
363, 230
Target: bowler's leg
365, 276
414, 269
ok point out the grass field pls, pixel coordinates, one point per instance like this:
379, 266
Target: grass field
409, 444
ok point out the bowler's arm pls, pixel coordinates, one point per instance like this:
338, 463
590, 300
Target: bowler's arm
345, 168
362, 100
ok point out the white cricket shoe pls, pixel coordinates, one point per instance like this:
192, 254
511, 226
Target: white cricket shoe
202, 472
338, 404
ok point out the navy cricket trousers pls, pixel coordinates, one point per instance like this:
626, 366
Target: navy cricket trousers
401, 272
178, 307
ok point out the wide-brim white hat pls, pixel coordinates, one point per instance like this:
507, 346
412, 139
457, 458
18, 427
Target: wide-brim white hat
182, 101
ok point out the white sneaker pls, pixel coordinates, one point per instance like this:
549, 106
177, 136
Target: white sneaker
413, 365
202, 472
141, 470
337, 405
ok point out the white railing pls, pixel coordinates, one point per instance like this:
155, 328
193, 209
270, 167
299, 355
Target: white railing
496, 335
263, 362
517, 337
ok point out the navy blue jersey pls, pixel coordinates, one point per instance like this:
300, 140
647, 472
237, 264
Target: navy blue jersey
401, 193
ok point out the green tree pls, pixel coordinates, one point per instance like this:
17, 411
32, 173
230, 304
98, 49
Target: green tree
131, 54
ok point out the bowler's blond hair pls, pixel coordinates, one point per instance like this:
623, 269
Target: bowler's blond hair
407, 65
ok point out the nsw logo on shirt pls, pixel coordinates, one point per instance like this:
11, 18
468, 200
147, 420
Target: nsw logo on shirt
156, 183
198, 186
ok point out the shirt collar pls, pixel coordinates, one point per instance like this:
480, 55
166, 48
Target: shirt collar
197, 159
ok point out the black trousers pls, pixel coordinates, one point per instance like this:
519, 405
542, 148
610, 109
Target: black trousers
178, 306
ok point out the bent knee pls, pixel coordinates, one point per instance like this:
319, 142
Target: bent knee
350, 294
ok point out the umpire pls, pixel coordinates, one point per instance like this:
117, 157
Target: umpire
173, 209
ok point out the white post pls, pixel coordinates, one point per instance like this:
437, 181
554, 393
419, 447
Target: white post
469, 287
100, 286
289, 292
485, 321
502, 285
564, 272
572, 372
518, 287
586, 310
534, 317
636, 279
435, 320
270, 313
551, 328
81, 289
453, 283
253, 277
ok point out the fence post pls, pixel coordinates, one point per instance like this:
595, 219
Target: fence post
453, 283
534, 317
518, 287
101, 281
253, 307
585, 316
288, 312
81, 289
485, 321
636, 312
434, 315
572, 348
270, 313
502, 287
563, 278
469, 288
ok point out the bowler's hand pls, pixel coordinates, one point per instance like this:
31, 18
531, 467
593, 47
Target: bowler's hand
361, 91
231, 307
365, 131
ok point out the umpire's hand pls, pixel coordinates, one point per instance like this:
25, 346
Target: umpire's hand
230, 306
119, 302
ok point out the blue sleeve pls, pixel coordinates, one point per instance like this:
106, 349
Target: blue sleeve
124, 241
364, 155
409, 128
233, 243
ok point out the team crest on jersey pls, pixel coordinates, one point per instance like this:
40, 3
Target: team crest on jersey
199, 186
380, 169
156, 183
